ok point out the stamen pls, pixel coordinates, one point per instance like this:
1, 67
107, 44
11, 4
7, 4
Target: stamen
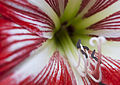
85, 47
83, 50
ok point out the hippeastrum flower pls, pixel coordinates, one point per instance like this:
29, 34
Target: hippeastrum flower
50, 42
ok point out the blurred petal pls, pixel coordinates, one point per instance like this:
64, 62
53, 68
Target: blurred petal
34, 17
56, 72
91, 7
98, 6
110, 34
71, 10
58, 5
111, 71
84, 4
100, 10
109, 27
16, 43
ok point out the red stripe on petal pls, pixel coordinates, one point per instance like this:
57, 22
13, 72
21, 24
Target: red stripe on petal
86, 81
108, 38
55, 5
16, 43
99, 6
65, 1
58, 6
83, 5
114, 39
110, 68
108, 27
27, 15
56, 72
111, 22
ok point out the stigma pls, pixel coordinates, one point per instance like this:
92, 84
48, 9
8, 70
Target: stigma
92, 63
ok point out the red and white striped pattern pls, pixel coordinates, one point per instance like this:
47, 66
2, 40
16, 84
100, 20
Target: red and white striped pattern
83, 5
56, 72
16, 43
99, 6
19, 41
108, 27
110, 68
27, 15
58, 5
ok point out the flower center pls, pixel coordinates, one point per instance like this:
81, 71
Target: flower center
79, 56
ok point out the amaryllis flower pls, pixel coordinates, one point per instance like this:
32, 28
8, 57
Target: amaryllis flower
59, 42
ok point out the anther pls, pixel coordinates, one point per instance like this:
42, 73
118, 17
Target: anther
93, 55
78, 44
85, 47
84, 53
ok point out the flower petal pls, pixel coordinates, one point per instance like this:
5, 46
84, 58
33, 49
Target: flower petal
99, 5
91, 7
71, 10
84, 4
56, 72
111, 68
34, 17
100, 11
109, 27
16, 43
110, 34
58, 5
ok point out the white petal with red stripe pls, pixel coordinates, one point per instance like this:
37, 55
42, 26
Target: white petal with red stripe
37, 18
16, 44
98, 6
58, 5
98, 13
109, 27
36, 71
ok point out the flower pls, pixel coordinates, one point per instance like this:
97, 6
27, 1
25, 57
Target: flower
38, 42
